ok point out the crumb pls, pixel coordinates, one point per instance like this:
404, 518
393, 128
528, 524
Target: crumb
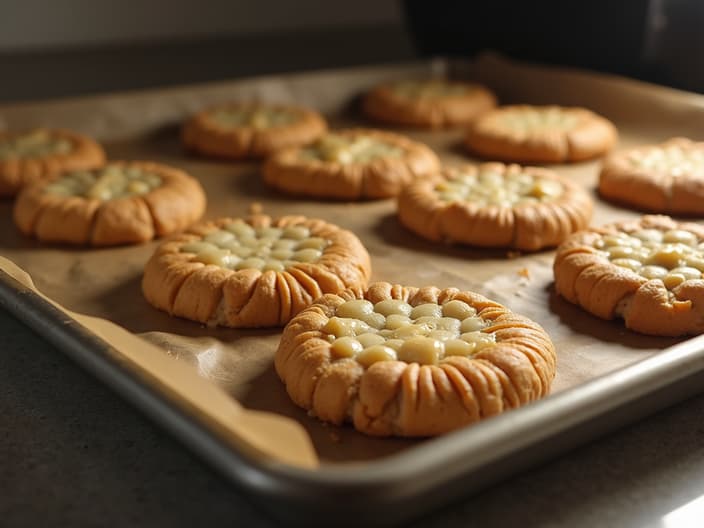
524, 272
333, 433
513, 254
256, 208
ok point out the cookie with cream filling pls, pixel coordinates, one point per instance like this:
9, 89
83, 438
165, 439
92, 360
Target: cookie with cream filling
253, 272
123, 202
403, 361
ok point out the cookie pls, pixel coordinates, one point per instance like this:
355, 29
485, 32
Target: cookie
250, 130
404, 361
120, 203
540, 134
433, 103
351, 164
664, 178
495, 205
647, 271
26, 157
252, 273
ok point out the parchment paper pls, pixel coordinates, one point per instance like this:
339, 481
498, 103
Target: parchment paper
106, 282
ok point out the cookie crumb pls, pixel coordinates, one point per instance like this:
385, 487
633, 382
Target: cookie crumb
524, 272
513, 254
256, 208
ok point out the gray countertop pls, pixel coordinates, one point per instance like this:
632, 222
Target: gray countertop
73, 454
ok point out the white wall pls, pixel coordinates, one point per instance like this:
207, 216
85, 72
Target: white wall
28, 24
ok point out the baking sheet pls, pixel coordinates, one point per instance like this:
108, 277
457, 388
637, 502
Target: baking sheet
105, 282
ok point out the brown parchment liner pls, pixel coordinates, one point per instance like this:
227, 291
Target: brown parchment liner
207, 400
144, 125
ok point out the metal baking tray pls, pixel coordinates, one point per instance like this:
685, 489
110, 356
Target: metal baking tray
420, 478
415, 480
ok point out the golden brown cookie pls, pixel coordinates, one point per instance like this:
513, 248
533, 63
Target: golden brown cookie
433, 103
647, 271
251, 130
495, 205
540, 134
664, 178
404, 361
254, 273
124, 202
26, 157
351, 164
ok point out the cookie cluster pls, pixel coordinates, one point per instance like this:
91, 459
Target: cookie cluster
390, 359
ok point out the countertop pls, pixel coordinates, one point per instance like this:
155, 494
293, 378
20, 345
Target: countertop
73, 454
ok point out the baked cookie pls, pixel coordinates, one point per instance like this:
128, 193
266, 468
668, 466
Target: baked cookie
123, 202
664, 178
495, 205
251, 130
403, 361
26, 157
252, 273
647, 271
433, 103
351, 164
540, 134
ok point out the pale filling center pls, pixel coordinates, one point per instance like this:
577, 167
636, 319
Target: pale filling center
673, 256
107, 183
536, 120
259, 118
429, 89
33, 145
240, 246
393, 330
672, 159
345, 149
494, 188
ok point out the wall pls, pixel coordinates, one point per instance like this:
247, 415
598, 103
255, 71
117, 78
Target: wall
32, 24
